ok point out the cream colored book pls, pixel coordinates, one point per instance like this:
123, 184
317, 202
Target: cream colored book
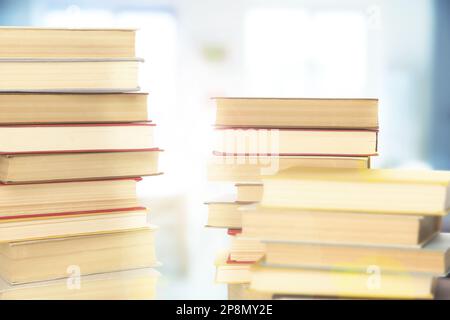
242, 292
246, 249
225, 213
73, 224
360, 190
230, 272
75, 137
17, 108
29, 200
329, 283
433, 258
295, 142
255, 168
280, 224
47, 259
66, 42
20, 168
69, 75
134, 284
297, 112
249, 192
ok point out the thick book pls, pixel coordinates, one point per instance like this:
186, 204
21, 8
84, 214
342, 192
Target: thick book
245, 249
231, 272
249, 192
131, 284
21, 108
297, 113
31, 42
340, 284
433, 258
382, 191
33, 200
295, 142
22, 168
254, 168
73, 223
48, 259
75, 137
69, 75
224, 212
279, 224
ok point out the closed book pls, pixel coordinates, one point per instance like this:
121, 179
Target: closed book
66, 42
39, 167
231, 272
135, 284
295, 142
72, 223
75, 137
421, 192
280, 224
433, 257
341, 284
31, 200
21, 108
297, 112
69, 75
249, 192
48, 259
245, 249
224, 212
255, 168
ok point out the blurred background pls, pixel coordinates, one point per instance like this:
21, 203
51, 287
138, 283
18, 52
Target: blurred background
395, 50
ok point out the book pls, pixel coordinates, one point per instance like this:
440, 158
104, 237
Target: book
242, 292
34, 42
21, 168
314, 282
249, 192
433, 257
295, 142
254, 168
359, 190
244, 249
297, 113
279, 224
123, 285
69, 75
75, 137
224, 213
35, 108
48, 259
73, 223
39, 199
231, 272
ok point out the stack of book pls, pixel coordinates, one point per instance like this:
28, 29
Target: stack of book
74, 142
352, 233
260, 137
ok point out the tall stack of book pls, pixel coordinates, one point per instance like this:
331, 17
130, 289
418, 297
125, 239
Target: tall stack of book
74, 141
260, 137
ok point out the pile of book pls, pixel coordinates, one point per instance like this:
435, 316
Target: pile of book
261, 137
74, 142
325, 231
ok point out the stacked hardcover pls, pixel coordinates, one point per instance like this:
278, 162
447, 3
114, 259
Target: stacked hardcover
260, 137
352, 233
74, 142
